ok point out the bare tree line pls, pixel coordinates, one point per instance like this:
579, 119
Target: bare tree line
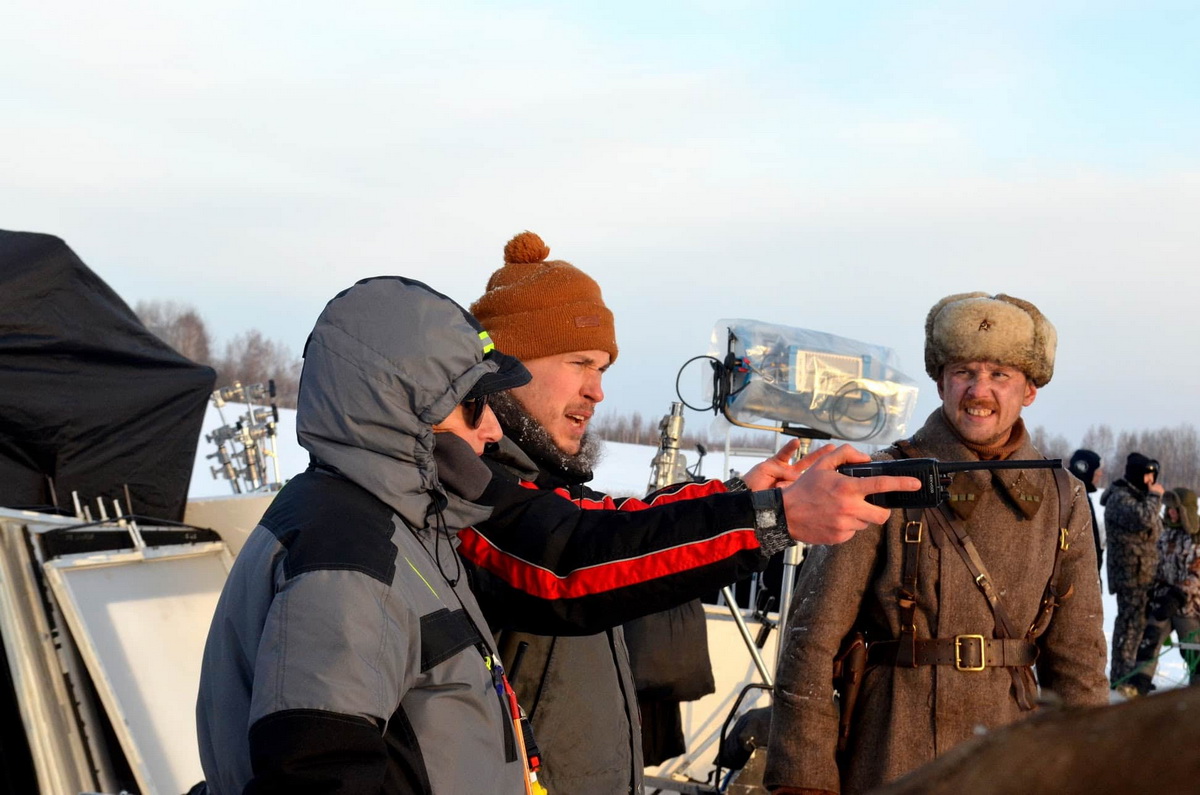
1055, 446
635, 429
249, 358
1176, 449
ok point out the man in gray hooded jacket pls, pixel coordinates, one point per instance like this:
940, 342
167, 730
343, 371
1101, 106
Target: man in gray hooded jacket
347, 653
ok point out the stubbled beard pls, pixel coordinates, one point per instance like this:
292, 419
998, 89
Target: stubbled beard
532, 437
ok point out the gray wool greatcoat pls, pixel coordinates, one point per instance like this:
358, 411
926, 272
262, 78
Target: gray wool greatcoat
906, 717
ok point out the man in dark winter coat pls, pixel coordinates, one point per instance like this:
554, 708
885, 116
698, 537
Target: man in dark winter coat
578, 690
1132, 525
958, 603
1085, 465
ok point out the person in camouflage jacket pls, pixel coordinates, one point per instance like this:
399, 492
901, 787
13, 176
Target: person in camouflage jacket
1132, 524
1175, 597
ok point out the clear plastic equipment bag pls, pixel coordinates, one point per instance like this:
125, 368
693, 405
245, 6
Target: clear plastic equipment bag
848, 389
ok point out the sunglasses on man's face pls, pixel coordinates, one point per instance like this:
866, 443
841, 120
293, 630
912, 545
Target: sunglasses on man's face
473, 410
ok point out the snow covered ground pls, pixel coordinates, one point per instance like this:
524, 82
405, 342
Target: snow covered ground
625, 469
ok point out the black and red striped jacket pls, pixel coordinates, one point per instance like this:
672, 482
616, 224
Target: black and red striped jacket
559, 554
541, 560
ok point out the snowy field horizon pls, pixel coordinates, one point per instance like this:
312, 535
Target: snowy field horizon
623, 470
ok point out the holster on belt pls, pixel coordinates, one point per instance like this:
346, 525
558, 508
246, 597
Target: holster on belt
848, 668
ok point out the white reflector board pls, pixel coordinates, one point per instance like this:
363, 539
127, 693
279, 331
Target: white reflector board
140, 619
51, 726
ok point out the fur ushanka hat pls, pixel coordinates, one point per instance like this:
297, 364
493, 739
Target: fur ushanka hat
977, 327
1184, 501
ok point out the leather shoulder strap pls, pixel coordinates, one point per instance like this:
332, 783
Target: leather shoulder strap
906, 594
955, 533
1052, 597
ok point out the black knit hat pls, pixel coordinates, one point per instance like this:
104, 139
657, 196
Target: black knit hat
1136, 467
1084, 464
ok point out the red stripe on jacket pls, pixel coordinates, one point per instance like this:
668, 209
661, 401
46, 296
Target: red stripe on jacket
686, 491
545, 584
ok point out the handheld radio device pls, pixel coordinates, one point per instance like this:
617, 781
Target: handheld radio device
934, 476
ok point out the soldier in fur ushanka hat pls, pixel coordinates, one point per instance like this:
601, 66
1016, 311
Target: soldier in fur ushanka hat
997, 328
952, 648
1002, 352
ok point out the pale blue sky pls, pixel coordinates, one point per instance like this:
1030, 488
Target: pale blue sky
834, 166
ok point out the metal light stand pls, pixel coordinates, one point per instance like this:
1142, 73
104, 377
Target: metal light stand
665, 470
752, 647
668, 465
792, 556
255, 432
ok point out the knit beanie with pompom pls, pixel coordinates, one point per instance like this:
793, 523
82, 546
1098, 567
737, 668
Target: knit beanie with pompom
535, 307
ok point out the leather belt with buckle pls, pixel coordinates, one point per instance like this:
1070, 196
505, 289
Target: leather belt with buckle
963, 652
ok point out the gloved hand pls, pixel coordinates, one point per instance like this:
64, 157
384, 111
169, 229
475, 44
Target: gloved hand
1167, 601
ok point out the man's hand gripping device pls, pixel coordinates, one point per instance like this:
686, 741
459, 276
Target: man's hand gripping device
934, 476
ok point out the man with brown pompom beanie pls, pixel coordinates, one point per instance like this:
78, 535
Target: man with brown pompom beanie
957, 603
578, 690
550, 312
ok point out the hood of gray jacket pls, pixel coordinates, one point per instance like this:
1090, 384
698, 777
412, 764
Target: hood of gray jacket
387, 359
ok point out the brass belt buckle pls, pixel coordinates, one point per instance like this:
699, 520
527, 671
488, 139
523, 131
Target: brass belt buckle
958, 645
